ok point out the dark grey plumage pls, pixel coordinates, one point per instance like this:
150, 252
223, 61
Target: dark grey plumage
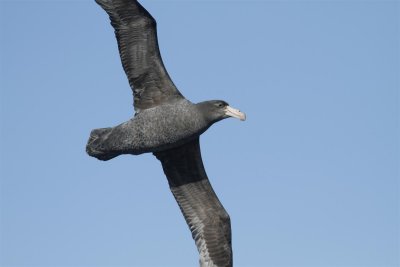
206, 217
169, 126
135, 30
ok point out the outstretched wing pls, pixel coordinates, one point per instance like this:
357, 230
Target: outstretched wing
135, 30
206, 217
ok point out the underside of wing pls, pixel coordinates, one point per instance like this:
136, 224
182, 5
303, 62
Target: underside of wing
135, 30
206, 217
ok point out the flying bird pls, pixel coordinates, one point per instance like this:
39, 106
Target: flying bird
167, 125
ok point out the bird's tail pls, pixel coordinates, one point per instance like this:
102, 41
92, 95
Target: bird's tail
97, 144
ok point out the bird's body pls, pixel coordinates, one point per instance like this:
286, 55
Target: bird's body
154, 129
169, 126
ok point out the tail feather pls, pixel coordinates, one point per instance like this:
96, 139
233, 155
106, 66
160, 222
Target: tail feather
96, 145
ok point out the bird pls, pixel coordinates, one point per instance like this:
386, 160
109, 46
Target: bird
169, 126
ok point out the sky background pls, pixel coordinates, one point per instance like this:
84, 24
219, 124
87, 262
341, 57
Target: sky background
310, 179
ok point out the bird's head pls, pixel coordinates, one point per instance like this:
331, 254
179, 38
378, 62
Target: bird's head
216, 110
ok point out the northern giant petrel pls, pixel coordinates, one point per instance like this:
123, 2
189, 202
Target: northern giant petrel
169, 126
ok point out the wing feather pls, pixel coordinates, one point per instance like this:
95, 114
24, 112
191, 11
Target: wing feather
136, 33
206, 217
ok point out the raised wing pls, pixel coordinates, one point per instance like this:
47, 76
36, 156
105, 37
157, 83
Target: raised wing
135, 30
206, 217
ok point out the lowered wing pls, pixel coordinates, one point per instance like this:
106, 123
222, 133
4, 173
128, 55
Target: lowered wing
206, 217
135, 30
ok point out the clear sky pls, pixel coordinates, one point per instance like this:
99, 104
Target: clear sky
310, 179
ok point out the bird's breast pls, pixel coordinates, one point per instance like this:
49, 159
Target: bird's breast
168, 126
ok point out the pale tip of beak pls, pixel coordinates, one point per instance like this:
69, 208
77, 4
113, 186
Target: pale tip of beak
232, 112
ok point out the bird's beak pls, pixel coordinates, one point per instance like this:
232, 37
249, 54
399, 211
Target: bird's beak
232, 112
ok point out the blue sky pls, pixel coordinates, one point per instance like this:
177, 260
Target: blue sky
310, 179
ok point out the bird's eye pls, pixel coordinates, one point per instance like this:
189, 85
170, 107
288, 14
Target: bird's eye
220, 105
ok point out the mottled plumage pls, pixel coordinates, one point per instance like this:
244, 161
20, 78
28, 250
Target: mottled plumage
169, 126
